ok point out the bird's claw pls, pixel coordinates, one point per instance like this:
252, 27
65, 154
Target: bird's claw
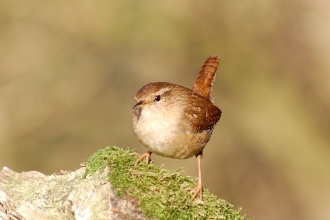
197, 190
146, 156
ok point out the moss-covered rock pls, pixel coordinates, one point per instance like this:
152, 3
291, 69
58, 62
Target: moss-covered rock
162, 194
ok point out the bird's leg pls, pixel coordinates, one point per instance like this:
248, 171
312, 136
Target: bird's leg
199, 188
147, 156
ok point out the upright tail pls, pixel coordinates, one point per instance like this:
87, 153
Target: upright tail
206, 76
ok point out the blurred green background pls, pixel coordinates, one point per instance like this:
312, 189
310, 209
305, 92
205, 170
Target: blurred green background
69, 71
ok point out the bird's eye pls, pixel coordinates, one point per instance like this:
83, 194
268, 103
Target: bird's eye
157, 98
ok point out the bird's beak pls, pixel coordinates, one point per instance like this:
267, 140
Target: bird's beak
138, 103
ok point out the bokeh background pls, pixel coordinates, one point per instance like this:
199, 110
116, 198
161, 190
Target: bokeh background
69, 71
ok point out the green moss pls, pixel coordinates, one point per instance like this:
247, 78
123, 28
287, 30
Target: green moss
163, 193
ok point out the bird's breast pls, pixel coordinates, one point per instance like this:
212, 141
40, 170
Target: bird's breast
165, 133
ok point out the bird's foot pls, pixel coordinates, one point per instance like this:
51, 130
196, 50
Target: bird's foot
146, 156
197, 190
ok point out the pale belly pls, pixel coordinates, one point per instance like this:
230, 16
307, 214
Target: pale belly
168, 138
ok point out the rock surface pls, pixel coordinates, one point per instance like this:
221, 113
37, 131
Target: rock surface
62, 195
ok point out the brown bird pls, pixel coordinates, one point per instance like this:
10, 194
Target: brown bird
176, 122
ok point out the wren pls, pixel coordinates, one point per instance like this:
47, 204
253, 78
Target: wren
177, 122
